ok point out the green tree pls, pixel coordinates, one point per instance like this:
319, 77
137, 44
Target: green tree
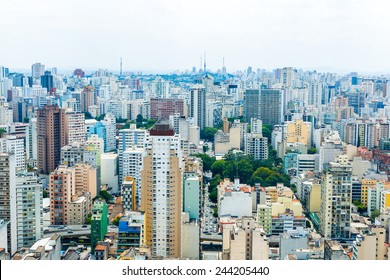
267, 131
267, 177
120, 120
101, 117
375, 214
214, 195
105, 195
88, 220
312, 151
45, 194
205, 148
30, 168
361, 208
207, 161
88, 115
208, 133
26, 120
218, 167
139, 118
215, 212
215, 182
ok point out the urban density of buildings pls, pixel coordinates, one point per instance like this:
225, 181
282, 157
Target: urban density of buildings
201, 164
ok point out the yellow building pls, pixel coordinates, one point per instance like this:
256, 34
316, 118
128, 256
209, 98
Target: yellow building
366, 183
385, 201
129, 194
284, 203
298, 131
314, 201
272, 192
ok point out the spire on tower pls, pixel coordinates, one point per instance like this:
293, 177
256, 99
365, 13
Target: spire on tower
204, 63
120, 72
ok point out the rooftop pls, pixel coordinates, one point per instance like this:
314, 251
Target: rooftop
162, 129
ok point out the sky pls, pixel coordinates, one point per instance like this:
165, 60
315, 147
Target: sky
165, 35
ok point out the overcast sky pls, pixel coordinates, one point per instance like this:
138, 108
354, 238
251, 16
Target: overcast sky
166, 35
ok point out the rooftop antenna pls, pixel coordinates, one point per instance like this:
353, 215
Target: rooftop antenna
204, 63
200, 67
223, 62
121, 68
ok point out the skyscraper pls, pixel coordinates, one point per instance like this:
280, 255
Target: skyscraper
51, 134
28, 209
336, 199
162, 108
251, 104
270, 110
75, 126
37, 70
87, 98
8, 190
47, 81
197, 106
99, 222
162, 192
62, 187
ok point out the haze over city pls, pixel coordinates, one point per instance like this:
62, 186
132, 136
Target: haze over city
162, 36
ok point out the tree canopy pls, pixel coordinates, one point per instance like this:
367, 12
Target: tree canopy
208, 133
238, 165
375, 214
207, 161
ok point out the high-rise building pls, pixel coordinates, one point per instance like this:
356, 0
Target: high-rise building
87, 98
256, 145
336, 193
47, 81
51, 135
109, 171
75, 126
197, 106
287, 76
8, 190
251, 104
37, 70
161, 191
192, 197
129, 138
132, 165
99, 222
28, 209
128, 192
270, 110
12, 144
298, 131
62, 187
31, 140
86, 179
162, 108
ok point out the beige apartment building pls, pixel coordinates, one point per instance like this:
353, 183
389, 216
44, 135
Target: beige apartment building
162, 192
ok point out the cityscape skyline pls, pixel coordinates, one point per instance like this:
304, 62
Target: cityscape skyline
271, 141
170, 35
